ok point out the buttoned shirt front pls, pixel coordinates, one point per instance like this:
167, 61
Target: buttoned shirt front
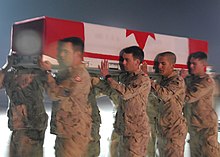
131, 117
170, 93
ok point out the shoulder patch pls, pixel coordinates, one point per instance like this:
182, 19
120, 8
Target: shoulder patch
180, 78
145, 74
78, 79
209, 80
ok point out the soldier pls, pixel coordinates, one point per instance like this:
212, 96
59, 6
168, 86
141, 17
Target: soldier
131, 117
170, 93
72, 123
201, 117
27, 118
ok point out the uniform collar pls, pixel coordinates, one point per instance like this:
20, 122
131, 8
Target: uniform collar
174, 73
200, 76
136, 72
76, 67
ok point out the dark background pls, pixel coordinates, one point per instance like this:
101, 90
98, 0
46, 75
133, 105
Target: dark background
199, 19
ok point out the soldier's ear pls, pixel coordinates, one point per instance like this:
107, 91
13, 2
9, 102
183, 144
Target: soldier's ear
205, 63
137, 61
79, 53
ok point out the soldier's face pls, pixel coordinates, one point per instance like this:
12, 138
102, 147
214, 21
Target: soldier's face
67, 54
165, 66
130, 63
197, 66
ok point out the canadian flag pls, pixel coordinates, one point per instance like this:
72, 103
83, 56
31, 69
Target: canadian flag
104, 42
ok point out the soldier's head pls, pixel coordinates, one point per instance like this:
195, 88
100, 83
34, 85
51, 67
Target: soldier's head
70, 51
197, 63
132, 58
166, 62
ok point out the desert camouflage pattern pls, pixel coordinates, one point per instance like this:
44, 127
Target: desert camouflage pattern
170, 124
201, 117
94, 144
131, 118
152, 112
72, 121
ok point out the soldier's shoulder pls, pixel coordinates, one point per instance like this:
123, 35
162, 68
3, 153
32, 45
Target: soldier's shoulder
122, 75
178, 79
144, 76
208, 80
81, 75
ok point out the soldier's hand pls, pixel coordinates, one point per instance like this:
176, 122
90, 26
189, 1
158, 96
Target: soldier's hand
144, 67
46, 65
9, 62
184, 73
104, 68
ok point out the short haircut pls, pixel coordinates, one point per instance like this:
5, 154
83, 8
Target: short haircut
136, 52
78, 44
199, 55
170, 55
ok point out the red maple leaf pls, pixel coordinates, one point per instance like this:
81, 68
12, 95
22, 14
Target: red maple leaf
141, 37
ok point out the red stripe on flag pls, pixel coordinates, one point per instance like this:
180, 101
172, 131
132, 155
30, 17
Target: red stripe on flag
101, 56
197, 45
116, 58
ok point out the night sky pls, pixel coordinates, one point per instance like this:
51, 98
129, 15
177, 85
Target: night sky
199, 19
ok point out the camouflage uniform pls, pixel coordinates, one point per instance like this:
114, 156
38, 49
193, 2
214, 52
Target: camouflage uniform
171, 125
94, 144
72, 123
152, 112
131, 117
201, 117
26, 113
105, 89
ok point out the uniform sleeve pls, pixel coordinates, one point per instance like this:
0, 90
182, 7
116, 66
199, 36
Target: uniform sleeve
69, 87
52, 88
197, 90
2, 75
133, 89
167, 92
104, 88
